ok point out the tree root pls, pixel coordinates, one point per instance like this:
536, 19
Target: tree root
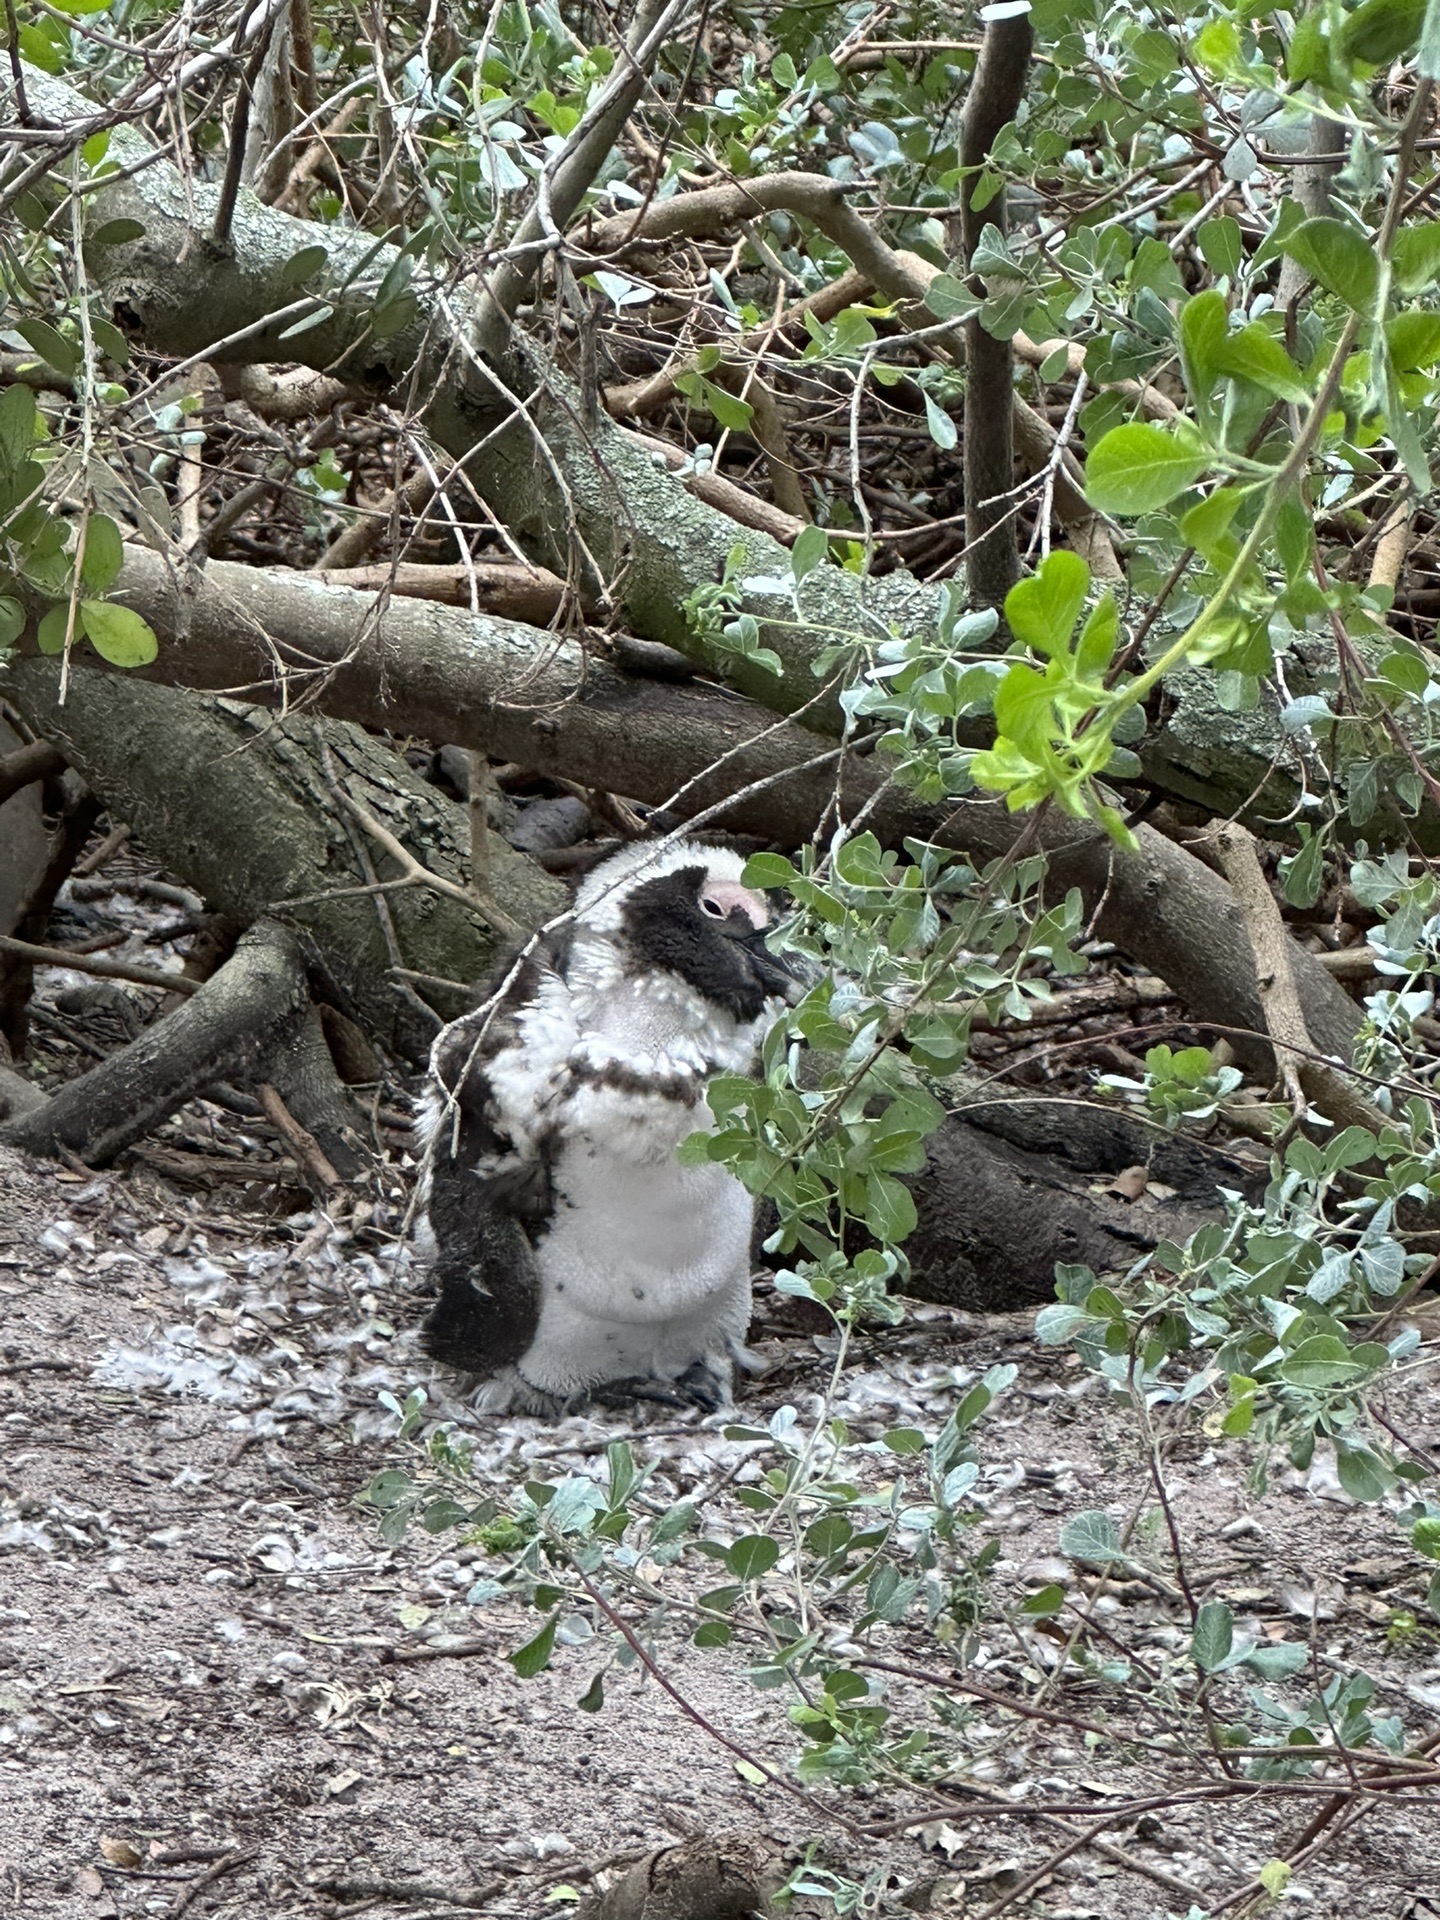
237, 1027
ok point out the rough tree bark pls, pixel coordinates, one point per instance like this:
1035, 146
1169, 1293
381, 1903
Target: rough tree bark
242, 806
520, 694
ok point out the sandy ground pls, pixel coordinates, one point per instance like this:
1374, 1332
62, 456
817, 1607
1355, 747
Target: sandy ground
221, 1692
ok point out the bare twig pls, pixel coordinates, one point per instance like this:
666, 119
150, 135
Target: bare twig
103, 969
1304, 1076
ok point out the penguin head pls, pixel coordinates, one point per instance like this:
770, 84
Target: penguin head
683, 909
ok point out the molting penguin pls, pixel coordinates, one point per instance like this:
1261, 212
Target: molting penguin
574, 1252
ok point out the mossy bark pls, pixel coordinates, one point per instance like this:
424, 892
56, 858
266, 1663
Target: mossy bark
241, 805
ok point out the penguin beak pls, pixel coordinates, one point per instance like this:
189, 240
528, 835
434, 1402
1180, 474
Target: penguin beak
772, 970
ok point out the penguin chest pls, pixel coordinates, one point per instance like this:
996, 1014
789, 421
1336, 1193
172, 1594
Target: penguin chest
643, 1241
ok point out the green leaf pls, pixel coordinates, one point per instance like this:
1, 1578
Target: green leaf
593, 1698
51, 345
40, 50
1340, 257
534, 1656
111, 342
1139, 468
1417, 256
1153, 270
1428, 59
752, 1556
1323, 1360
50, 633
1042, 610
832, 1533
1217, 46
1414, 338
1275, 1662
1303, 877
1091, 1538
1309, 56
1255, 354
307, 323
1055, 1326
764, 870
950, 299
391, 318
811, 548
104, 553
889, 1209
118, 635
943, 430
12, 622
729, 410
1099, 637
1213, 1635
116, 233
1363, 1474
1274, 1876
1206, 527
1379, 31
302, 265
721, 1599
1220, 245
17, 429
1294, 536
1204, 322
1045, 1603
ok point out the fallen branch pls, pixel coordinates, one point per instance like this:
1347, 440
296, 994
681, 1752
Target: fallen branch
136, 975
37, 761
536, 698
502, 587
1304, 1077
301, 1142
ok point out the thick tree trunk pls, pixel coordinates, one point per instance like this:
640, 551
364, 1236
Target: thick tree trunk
1014, 1187
529, 696
242, 806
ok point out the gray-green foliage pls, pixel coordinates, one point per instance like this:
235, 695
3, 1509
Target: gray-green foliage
851, 1543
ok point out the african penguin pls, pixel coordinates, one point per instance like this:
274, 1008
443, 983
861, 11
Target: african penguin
573, 1251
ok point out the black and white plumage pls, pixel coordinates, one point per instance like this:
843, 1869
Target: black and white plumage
573, 1250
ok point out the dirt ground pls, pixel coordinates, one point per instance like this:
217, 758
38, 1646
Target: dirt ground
220, 1692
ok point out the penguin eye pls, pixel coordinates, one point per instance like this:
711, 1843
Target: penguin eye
712, 907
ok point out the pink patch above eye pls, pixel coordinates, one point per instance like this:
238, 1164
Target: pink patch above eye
727, 895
